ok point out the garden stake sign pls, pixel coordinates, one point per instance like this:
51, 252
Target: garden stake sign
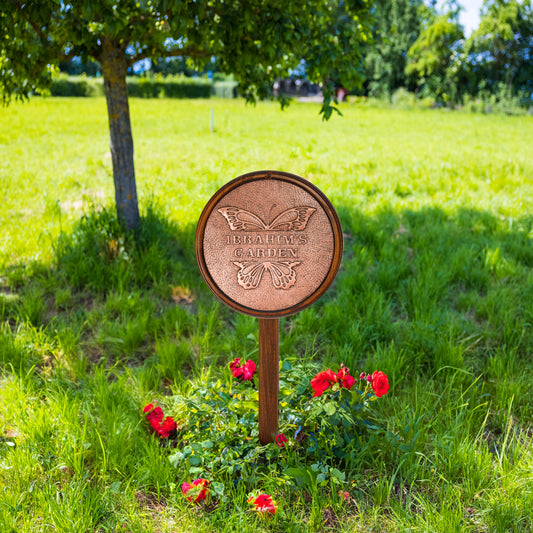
268, 244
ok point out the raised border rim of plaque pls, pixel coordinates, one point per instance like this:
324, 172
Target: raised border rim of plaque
317, 194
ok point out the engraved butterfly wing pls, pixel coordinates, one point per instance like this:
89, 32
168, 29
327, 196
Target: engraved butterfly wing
250, 274
283, 275
295, 218
241, 220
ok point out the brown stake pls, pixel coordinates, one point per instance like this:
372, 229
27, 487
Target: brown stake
268, 379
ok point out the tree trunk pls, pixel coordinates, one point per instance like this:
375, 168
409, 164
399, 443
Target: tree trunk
114, 68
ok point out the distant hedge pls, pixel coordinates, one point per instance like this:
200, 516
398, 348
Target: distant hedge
63, 85
169, 87
146, 87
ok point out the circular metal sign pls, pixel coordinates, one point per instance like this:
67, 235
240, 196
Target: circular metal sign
268, 244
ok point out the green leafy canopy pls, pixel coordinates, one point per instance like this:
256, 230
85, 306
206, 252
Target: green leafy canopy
255, 40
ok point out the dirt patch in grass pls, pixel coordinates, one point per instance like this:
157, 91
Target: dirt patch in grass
150, 502
330, 519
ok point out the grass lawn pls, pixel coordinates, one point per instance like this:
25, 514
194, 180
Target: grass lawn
435, 290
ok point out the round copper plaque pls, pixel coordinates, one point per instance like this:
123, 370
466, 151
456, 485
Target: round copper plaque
268, 244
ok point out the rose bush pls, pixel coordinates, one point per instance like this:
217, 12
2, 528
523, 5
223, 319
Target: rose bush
325, 421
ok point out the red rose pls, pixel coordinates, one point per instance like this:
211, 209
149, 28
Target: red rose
156, 414
245, 371
344, 495
380, 383
236, 370
281, 439
249, 369
347, 381
167, 427
197, 491
344, 378
155, 417
323, 381
263, 503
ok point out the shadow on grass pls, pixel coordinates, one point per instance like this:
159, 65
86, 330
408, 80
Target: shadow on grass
418, 289
100, 256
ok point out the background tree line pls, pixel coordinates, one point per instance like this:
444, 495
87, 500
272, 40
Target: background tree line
424, 49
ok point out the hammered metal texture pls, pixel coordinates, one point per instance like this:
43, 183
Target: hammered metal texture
268, 245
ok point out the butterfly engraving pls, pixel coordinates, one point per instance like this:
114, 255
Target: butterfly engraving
293, 219
251, 272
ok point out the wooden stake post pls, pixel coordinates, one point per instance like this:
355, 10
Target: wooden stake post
268, 379
268, 244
